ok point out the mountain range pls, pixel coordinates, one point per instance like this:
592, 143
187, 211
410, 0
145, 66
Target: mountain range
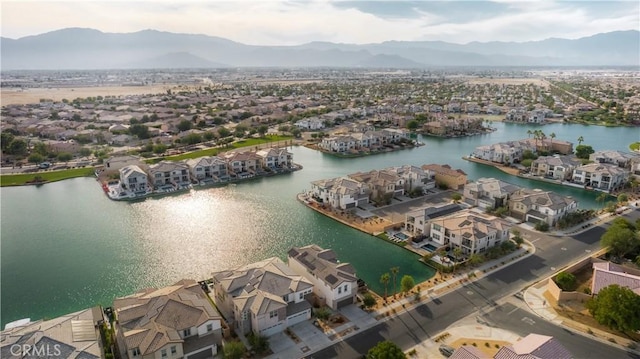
79, 48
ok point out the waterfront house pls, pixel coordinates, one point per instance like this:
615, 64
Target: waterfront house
534, 346
340, 193
549, 145
334, 283
605, 177
607, 273
242, 164
275, 158
415, 177
418, 222
177, 321
338, 144
444, 174
133, 179
208, 169
472, 232
382, 183
506, 152
264, 297
71, 336
488, 193
618, 158
169, 174
312, 123
540, 206
556, 167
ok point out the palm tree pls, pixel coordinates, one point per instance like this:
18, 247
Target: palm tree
384, 280
529, 133
552, 135
457, 252
394, 272
580, 140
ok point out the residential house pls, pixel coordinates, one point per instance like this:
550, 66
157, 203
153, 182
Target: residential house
71, 336
469, 352
177, 321
516, 115
534, 346
242, 164
341, 193
605, 177
312, 123
275, 158
549, 145
540, 206
334, 283
169, 174
618, 158
382, 183
264, 297
506, 152
607, 273
134, 179
536, 116
556, 167
488, 193
208, 169
418, 222
444, 174
339, 144
472, 232
415, 178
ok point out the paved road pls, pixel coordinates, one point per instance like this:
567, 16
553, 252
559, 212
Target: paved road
426, 320
521, 322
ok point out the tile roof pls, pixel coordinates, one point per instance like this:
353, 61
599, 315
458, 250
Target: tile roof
607, 273
469, 352
534, 346
324, 264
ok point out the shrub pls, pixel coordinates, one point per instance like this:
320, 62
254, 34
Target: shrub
322, 313
566, 281
368, 300
542, 226
259, 343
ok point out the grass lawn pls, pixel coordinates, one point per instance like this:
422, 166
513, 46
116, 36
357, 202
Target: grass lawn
52, 176
635, 146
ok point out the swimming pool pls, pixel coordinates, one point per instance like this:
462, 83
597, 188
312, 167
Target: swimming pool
401, 236
430, 247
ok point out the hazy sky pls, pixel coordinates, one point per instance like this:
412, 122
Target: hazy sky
270, 22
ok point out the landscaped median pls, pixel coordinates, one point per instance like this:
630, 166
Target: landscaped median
44, 177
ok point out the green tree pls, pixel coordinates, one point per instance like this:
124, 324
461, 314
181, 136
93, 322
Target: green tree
412, 125
583, 151
476, 259
368, 300
224, 132
407, 283
617, 308
259, 343
208, 136
234, 350
386, 350
580, 140
191, 139
17, 147
262, 130
159, 148
622, 197
184, 125
84, 152
394, 273
64, 157
566, 281
35, 158
384, 280
620, 239
296, 132
140, 131
456, 197
5, 140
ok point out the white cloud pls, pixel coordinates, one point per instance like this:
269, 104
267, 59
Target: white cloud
287, 23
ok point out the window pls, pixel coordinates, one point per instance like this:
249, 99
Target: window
209, 327
345, 288
301, 295
273, 313
164, 353
135, 352
173, 349
186, 332
339, 290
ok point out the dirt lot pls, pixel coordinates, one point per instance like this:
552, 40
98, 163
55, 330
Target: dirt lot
508, 81
33, 95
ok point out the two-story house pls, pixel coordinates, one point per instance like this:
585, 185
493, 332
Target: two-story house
263, 297
444, 174
169, 174
133, 179
472, 232
488, 193
556, 167
602, 176
177, 321
333, 282
540, 206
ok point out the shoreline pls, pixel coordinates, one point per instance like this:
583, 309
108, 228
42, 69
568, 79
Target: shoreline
315, 147
503, 168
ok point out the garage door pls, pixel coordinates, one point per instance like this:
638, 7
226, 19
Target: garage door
300, 317
345, 302
272, 330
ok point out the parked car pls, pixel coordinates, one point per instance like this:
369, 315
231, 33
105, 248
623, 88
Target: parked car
446, 350
519, 295
44, 165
